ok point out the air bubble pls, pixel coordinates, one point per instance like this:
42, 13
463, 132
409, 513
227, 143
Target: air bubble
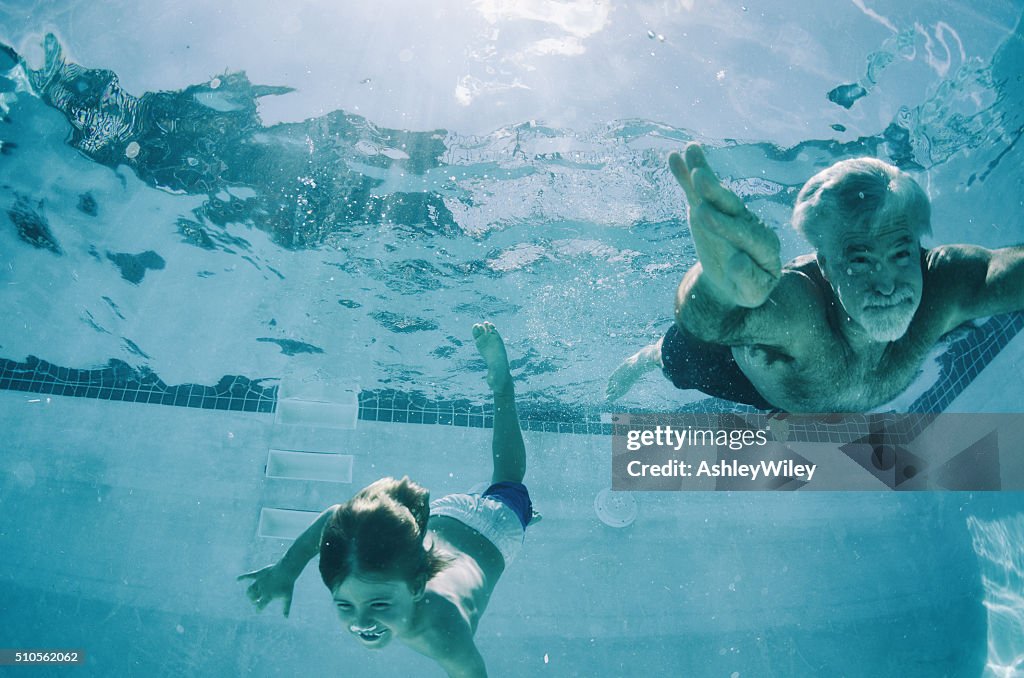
132, 150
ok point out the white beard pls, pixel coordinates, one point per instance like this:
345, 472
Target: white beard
887, 323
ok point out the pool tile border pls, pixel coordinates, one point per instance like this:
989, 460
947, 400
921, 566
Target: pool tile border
120, 381
964, 360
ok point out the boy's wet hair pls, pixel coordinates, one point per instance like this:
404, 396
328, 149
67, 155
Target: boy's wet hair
380, 531
863, 192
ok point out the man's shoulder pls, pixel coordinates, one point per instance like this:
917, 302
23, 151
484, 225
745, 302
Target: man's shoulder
799, 300
803, 262
954, 271
954, 277
952, 257
801, 280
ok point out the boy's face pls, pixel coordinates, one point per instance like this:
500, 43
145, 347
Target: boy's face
375, 608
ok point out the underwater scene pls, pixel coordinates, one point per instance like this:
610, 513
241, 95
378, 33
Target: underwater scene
256, 257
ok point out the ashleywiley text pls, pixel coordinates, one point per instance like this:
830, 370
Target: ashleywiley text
723, 468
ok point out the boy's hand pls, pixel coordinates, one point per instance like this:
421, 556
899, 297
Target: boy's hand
739, 255
269, 583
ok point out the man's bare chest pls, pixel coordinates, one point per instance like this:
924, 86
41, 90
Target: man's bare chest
831, 379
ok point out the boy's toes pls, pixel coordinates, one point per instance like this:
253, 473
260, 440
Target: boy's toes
483, 328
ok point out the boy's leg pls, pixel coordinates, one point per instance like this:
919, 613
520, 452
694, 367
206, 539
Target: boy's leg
507, 446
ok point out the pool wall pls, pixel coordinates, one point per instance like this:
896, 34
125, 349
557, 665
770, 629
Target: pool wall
124, 525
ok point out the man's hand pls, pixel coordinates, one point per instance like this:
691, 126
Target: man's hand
739, 255
634, 367
269, 583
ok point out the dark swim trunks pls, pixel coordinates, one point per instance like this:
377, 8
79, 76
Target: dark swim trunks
515, 496
689, 362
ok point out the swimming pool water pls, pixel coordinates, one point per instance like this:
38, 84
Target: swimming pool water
207, 207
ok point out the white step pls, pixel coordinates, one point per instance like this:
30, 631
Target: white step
284, 523
304, 465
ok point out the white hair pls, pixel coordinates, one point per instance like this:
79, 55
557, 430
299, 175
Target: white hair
865, 192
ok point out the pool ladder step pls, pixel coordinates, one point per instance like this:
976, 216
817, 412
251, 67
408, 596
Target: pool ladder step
316, 404
310, 430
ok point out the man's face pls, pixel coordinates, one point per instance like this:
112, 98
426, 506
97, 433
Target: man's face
877, 277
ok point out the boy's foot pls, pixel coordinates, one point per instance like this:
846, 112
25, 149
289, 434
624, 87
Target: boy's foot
492, 348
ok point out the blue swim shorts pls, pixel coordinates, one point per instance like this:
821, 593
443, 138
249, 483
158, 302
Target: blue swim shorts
500, 513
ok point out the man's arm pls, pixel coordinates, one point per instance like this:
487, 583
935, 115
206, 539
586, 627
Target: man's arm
703, 312
739, 265
976, 282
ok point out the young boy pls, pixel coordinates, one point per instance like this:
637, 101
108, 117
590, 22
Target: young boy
401, 567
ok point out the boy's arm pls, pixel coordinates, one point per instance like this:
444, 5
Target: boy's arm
462, 659
278, 580
466, 666
449, 641
306, 545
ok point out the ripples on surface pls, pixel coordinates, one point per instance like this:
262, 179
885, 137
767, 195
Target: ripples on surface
571, 240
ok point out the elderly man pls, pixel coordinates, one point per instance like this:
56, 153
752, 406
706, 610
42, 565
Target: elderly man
842, 330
